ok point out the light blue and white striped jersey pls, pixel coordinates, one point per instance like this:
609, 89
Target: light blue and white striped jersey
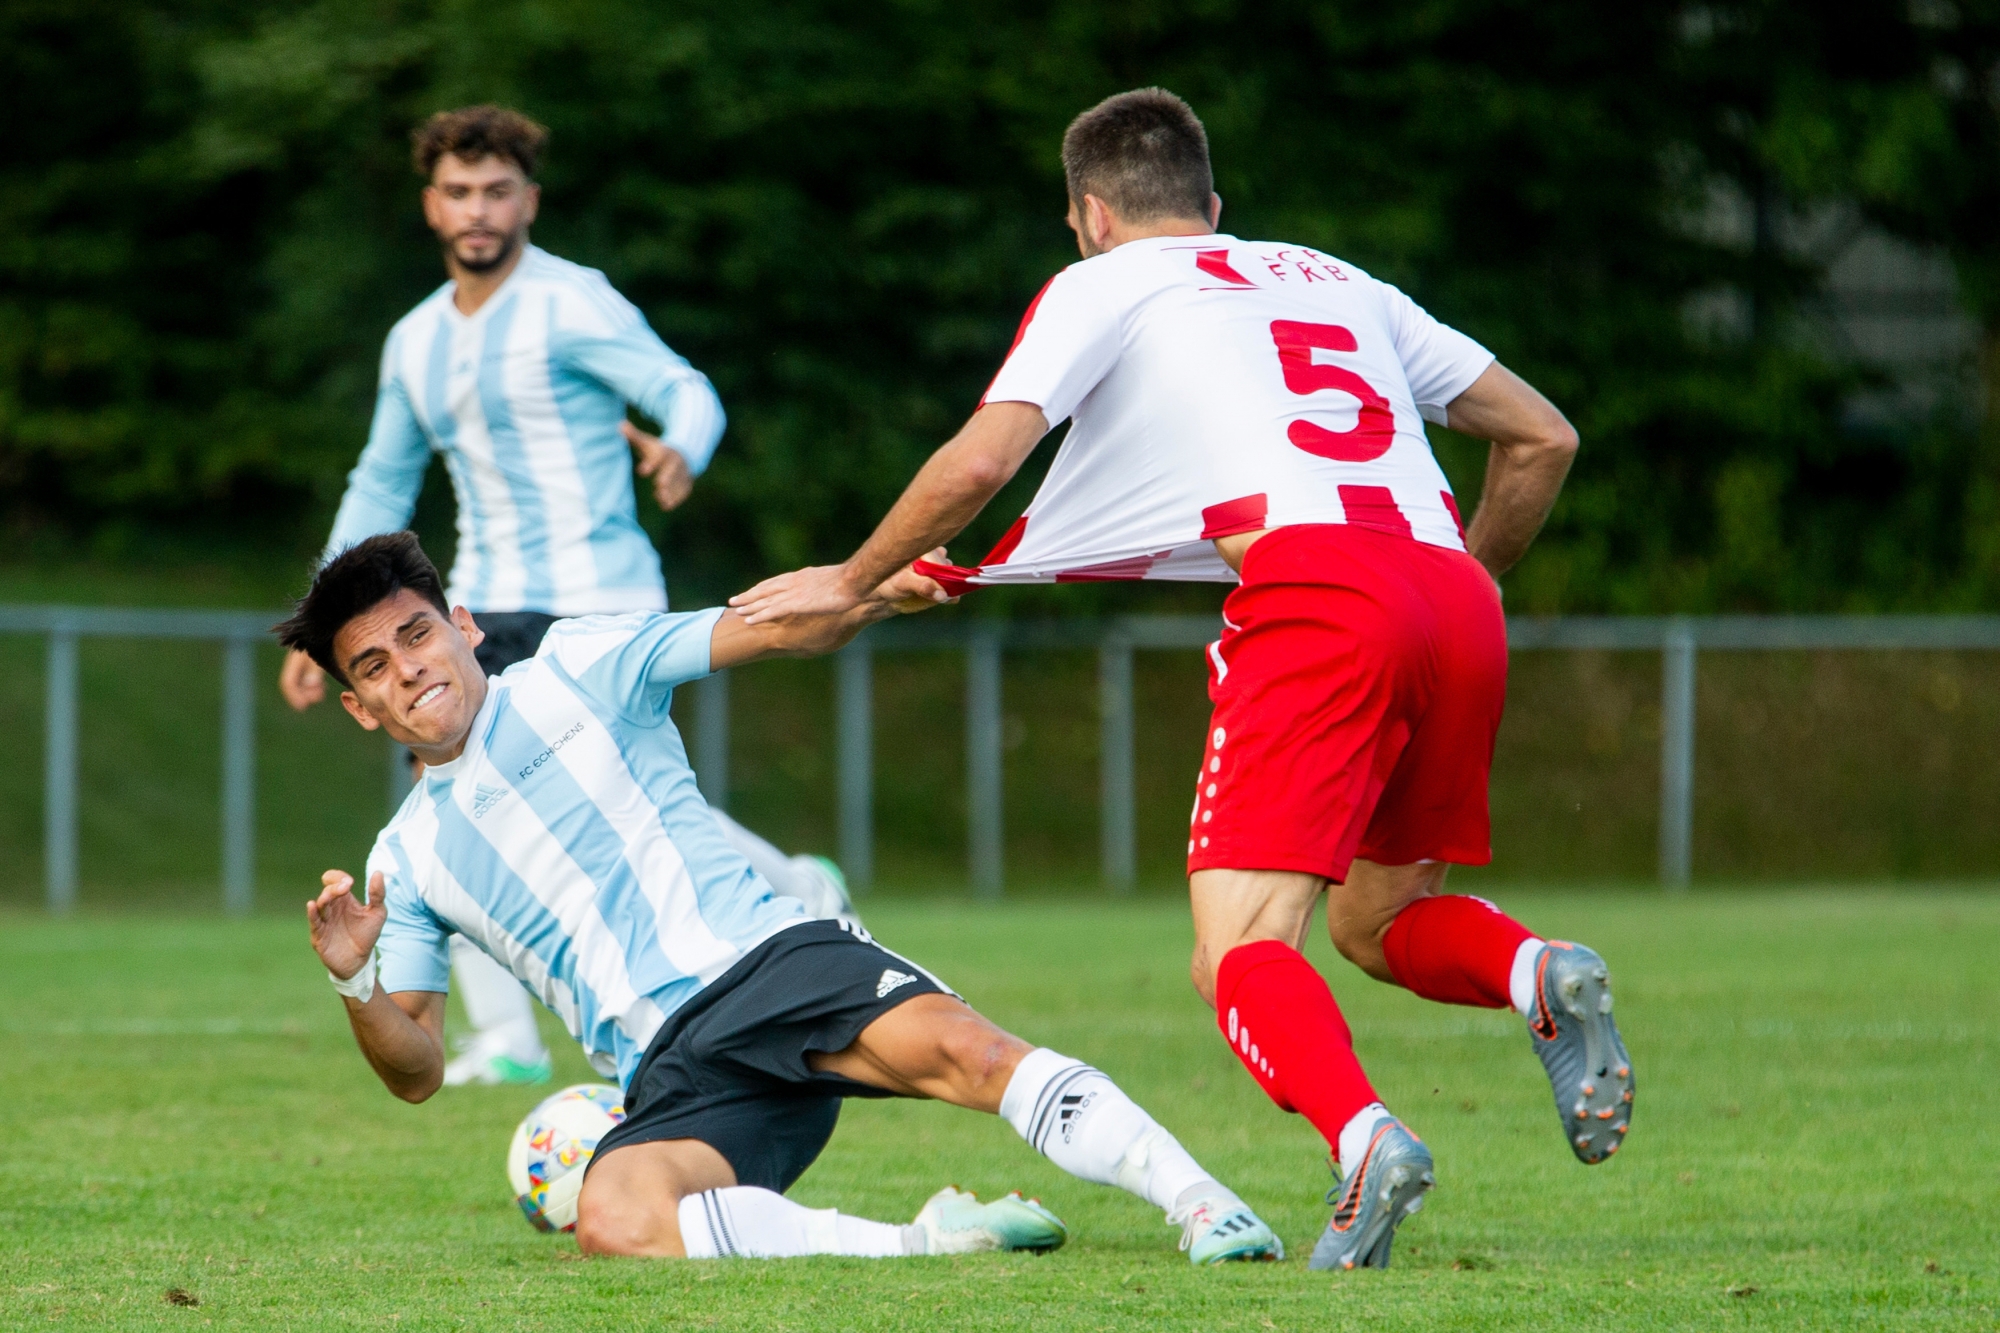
570, 843
523, 399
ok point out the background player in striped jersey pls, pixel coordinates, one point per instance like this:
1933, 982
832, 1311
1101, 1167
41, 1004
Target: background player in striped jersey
517, 372
1254, 410
558, 826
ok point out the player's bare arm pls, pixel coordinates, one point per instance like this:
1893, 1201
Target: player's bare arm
401, 1035
1533, 444
948, 493
958, 480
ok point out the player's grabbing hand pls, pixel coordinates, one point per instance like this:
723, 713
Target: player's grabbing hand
344, 930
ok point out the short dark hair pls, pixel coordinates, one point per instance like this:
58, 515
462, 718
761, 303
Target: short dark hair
363, 576
1144, 153
473, 132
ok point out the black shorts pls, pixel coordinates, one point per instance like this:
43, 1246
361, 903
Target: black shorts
729, 1067
511, 636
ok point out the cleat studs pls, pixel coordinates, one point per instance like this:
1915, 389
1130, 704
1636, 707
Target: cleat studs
1590, 1089
1583, 1141
1605, 1114
1624, 1071
1627, 1097
1621, 1128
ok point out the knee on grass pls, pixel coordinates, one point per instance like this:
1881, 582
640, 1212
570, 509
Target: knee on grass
617, 1224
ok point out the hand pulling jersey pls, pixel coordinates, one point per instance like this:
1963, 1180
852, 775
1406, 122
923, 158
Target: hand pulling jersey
523, 398
1219, 386
569, 842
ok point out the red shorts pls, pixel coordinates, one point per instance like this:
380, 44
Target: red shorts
1358, 685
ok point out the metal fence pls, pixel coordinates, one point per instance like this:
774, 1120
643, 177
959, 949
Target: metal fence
239, 633
1678, 640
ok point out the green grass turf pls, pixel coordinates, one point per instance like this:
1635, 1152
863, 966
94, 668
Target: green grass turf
1814, 1145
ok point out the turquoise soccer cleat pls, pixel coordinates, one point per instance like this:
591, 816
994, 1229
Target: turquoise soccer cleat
954, 1221
1221, 1229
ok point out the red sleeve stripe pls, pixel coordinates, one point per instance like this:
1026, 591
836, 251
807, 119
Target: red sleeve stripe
1019, 334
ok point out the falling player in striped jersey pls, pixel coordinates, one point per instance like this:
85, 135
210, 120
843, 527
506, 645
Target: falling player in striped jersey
1252, 412
517, 373
558, 827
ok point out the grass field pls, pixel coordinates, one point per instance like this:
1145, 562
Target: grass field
1814, 1145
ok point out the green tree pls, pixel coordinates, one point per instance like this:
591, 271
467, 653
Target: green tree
839, 212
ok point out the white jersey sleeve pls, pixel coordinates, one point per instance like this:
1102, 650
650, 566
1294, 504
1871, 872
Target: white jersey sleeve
382, 488
1440, 362
1068, 341
632, 663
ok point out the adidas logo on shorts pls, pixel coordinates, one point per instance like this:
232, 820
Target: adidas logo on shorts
891, 979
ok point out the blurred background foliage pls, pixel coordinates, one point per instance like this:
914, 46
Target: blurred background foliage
1748, 247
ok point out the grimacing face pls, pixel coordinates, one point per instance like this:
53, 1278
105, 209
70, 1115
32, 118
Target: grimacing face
411, 672
480, 210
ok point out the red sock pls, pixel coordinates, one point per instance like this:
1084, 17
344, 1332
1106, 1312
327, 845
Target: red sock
1282, 1023
1455, 949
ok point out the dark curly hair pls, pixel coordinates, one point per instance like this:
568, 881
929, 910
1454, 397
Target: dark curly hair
473, 132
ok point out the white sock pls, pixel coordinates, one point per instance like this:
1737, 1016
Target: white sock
1356, 1133
1080, 1120
744, 1222
502, 1013
1521, 980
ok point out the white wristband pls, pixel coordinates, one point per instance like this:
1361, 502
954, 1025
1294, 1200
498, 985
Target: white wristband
360, 986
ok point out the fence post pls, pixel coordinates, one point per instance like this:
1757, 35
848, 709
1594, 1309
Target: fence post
1677, 692
239, 774
59, 774
854, 727
711, 738
1115, 800
983, 814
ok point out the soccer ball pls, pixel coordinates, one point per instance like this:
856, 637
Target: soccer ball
553, 1146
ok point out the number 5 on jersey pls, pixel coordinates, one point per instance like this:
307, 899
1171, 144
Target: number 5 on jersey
1374, 430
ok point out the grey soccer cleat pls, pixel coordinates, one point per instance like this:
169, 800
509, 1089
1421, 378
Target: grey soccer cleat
1574, 1034
1387, 1185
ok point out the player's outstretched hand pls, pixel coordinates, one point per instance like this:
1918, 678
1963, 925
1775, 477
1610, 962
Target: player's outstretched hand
301, 681
344, 930
818, 590
662, 464
910, 592
823, 590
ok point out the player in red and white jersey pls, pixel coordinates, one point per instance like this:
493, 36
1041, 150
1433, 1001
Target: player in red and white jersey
1253, 412
1217, 387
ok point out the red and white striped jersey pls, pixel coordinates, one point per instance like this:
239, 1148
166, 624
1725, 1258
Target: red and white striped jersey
1219, 386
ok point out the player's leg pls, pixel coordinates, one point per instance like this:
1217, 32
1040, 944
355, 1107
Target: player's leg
1391, 918
504, 1045
813, 880
1281, 1020
1323, 668
937, 1046
679, 1198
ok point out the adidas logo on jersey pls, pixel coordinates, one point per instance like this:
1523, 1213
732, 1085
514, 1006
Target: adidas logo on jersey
484, 799
891, 979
